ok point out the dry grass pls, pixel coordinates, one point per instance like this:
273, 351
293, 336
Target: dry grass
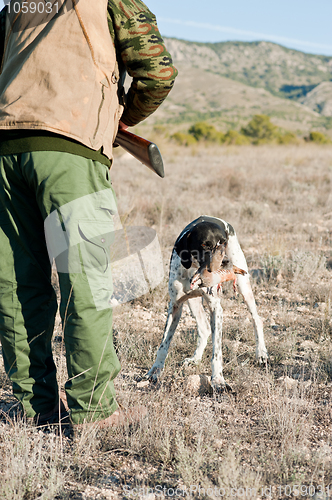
275, 431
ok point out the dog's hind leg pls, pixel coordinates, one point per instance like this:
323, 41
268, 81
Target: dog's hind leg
203, 329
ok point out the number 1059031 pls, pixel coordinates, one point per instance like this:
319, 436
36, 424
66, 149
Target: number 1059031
33, 7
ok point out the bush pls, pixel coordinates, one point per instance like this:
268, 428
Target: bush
204, 131
261, 130
288, 138
319, 138
183, 139
235, 137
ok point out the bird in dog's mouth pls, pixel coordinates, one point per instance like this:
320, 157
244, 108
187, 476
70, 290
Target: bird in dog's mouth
217, 271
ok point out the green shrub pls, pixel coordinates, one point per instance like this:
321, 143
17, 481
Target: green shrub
260, 130
204, 131
235, 137
288, 138
319, 138
183, 139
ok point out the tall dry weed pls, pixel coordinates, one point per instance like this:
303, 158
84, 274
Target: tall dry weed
32, 465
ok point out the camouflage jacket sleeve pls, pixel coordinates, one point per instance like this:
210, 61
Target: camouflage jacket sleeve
142, 53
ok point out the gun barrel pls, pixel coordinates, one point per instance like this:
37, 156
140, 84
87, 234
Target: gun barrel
143, 150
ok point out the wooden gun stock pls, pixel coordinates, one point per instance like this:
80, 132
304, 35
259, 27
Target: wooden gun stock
143, 150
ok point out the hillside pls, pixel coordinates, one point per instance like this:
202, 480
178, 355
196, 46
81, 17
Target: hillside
281, 71
202, 95
227, 83
320, 99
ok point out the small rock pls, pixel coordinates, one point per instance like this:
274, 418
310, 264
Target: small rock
198, 385
218, 443
287, 382
143, 383
302, 309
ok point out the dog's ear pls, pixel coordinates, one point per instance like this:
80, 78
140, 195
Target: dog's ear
181, 248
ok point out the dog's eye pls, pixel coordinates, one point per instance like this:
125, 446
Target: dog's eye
208, 245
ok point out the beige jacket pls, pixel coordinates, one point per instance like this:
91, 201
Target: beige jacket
59, 73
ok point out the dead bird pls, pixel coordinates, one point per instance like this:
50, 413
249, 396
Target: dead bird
205, 278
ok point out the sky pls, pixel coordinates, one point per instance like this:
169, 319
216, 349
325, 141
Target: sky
304, 25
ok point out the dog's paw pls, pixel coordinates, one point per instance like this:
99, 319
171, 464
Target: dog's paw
190, 361
153, 374
219, 386
262, 356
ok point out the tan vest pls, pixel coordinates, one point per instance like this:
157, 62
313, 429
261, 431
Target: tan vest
61, 74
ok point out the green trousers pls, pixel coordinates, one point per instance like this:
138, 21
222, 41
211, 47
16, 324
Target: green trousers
70, 199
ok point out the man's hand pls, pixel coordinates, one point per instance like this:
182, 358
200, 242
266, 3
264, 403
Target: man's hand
122, 126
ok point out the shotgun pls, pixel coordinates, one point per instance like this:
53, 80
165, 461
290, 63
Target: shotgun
143, 150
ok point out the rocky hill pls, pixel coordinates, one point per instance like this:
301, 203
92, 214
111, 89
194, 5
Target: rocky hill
227, 83
281, 71
320, 99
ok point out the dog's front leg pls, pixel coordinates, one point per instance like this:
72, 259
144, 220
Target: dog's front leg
245, 289
236, 255
217, 380
203, 329
173, 318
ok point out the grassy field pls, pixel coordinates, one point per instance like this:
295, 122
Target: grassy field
271, 437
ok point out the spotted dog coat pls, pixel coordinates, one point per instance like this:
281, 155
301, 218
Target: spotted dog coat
195, 247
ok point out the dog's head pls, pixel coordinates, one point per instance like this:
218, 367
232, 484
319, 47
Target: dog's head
204, 244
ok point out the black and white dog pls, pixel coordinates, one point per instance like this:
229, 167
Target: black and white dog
203, 242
